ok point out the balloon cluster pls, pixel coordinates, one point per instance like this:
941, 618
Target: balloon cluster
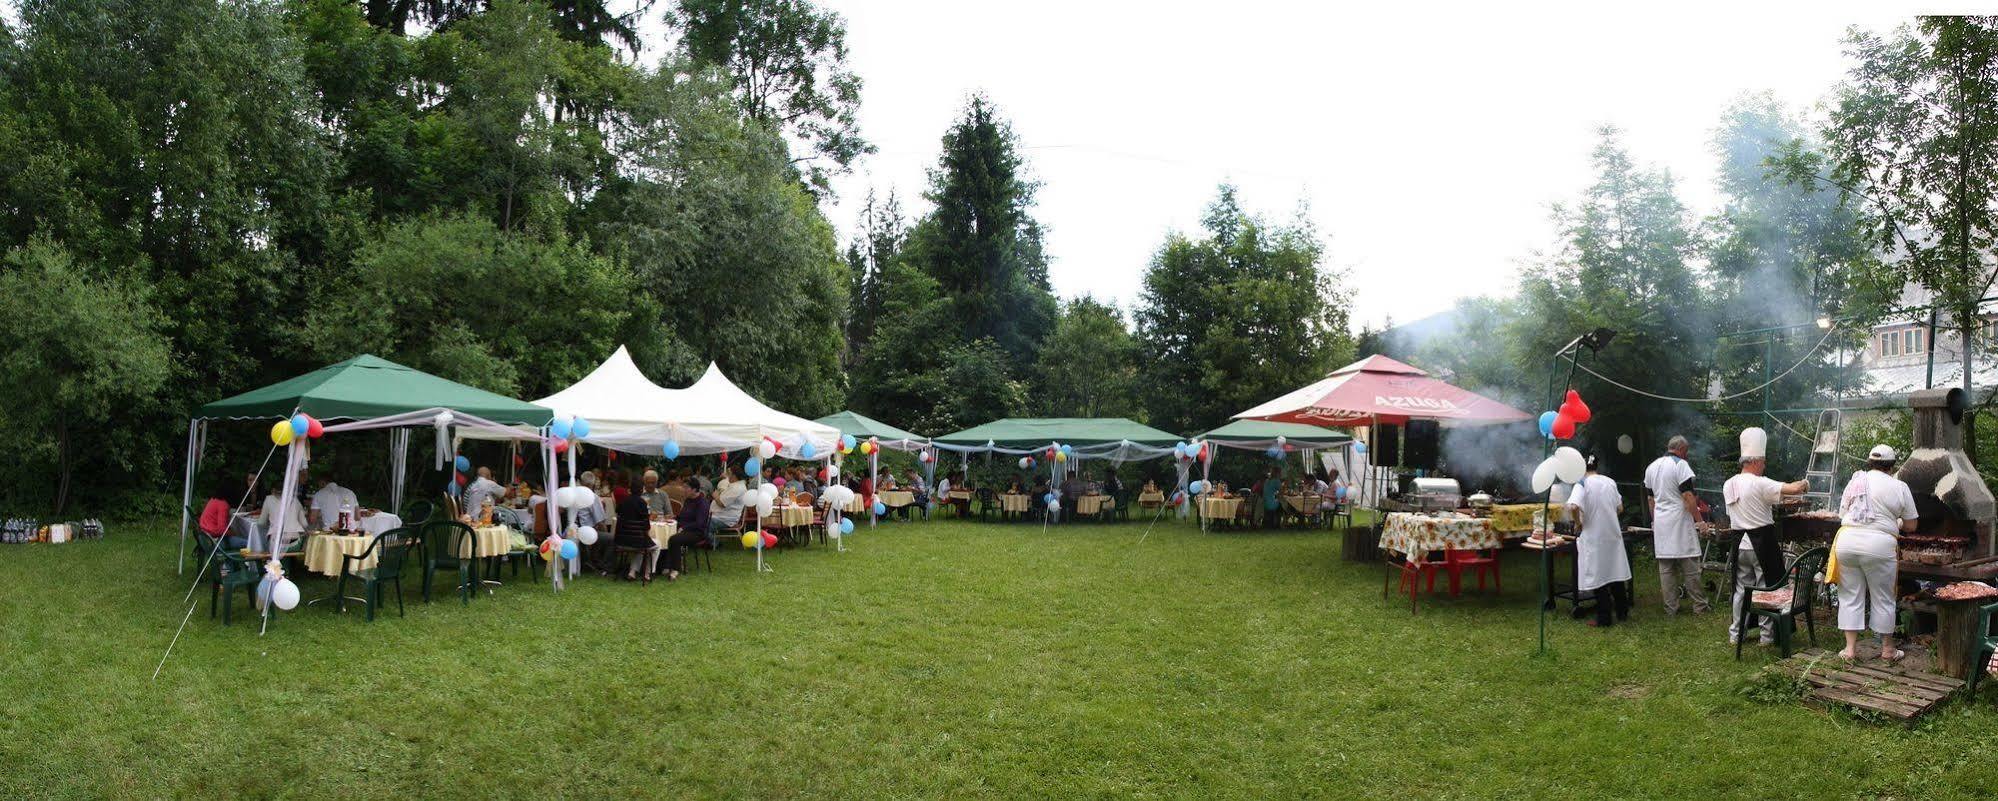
284, 432
838, 496
1561, 423
846, 443
768, 447
1026, 463
925, 457
1191, 451
757, 540
1196, 487
1566, 466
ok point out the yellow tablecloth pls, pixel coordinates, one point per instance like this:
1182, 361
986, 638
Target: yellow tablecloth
960, 495
1302, 504
1013, 502
856, 506
323, 552
789, 516
1151, 499
1093, 504
1219, 508
488, 541
1416, 535
1517, 518
896, 499
663, 530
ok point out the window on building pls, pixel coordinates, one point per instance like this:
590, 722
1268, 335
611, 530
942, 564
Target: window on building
1913, 337
1890, 344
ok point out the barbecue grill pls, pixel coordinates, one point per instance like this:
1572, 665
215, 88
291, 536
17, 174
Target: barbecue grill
1953, 537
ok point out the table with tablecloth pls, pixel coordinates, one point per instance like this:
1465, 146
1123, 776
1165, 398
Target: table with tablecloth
324, 552
379, 522
1094, 504
896, 499
1518, 518
788, 516
663, 530
1303, 504
1217, 508
960, 495
1013, 502
1151, 499
1415, 536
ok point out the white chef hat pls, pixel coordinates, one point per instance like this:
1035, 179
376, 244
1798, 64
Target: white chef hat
1754, 443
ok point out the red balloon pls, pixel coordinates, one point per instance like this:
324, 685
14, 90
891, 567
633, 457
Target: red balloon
519, 461
561, 446
724, 457
460, 477
313, 428
1564, 428
822, 475
769, 540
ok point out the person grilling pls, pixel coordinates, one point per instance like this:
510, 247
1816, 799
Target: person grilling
1751, 499
1668, 484
1874, 506
1601, 565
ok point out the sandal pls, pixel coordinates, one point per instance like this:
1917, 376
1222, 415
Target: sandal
1847, 656
1896, 656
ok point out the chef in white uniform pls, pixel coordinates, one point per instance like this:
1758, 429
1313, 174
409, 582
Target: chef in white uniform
1875, 508
1601, 565
1751, 509
1668, 482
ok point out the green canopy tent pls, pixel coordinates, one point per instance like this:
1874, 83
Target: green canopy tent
1263, 434
863, 427
362, 388
1099, 437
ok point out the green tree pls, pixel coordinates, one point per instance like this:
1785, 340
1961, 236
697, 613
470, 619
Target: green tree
1914, 138
877, 243
788, 62
1236, 317
980, 241
85, 346
1090, 365
462, 299
1624, 264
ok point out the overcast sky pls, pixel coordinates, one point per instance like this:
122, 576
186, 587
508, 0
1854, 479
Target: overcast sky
1429, 144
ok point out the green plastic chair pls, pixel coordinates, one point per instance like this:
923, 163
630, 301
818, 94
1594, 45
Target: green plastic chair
443, 541
391, 549
1987, 644
1802, 581
416, 513
232, 571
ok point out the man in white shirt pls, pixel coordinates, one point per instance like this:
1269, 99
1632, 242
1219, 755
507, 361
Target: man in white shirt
330, 500
1668, 482
1751, 509
481, 490
728, 500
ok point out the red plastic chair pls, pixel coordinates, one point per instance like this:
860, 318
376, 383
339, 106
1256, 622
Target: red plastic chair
1416, 576
1481, 563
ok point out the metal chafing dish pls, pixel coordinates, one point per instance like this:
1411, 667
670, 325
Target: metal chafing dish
1436, 495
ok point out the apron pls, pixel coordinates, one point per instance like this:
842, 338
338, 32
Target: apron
1672, 526
1599, 555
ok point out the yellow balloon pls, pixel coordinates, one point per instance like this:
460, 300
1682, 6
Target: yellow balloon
1061, 457
750, 539
281, 433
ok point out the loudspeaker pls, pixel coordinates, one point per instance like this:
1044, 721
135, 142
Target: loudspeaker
1385, 450
1419, 451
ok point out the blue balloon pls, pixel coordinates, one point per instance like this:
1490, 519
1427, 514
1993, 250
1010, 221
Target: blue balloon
1274, 452
1067, 451
560, 428
1197, 487
300, 424
670, 450
568, 549
1547, 424
1050, 497
806, 451
580, 428
463, 464
847, 442
880, 509
845, 526
1359, 447
752, 467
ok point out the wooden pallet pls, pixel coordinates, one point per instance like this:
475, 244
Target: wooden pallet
1897, 691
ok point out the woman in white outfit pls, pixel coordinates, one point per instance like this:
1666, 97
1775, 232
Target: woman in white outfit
1875, 506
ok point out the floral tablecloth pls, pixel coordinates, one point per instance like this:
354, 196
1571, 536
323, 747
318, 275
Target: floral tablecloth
1517, 518
1013, 502
1415, 536
1094, 504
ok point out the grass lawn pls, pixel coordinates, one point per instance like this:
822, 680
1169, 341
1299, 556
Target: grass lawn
932, 660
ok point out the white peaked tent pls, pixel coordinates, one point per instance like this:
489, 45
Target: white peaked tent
629, 413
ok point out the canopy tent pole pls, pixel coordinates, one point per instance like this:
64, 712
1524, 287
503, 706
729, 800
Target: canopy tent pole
187, 493
873, 483
549, 505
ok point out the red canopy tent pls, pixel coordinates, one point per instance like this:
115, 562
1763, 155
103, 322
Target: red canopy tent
1380, 390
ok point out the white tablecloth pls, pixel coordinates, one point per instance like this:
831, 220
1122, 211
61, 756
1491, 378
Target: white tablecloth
380, 522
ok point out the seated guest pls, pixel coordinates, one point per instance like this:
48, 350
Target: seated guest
1112, 485
1071, 489
481, 491
330, 500
634, 530
694, 532
218, 514
947, 486
287, 531
657, 500
921, 491
619, 487
727, 509
1014, 487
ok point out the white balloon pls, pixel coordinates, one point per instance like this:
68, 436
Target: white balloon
1544, 475
765, 449
587, 535
832, 472
764, 506
1055, 504
1623, 444
1569, 466
285, 595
